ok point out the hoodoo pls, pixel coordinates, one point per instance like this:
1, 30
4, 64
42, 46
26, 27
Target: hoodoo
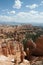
35, 49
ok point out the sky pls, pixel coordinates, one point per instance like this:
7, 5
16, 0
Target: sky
24, 11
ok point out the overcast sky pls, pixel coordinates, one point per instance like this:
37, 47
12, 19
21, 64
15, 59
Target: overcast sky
27, 11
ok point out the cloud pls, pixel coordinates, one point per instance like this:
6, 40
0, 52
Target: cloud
11, 12
17, 4
5, 18
33, 12
27, 17
41, 3
6, 11
30, 16
32, 6
41, 13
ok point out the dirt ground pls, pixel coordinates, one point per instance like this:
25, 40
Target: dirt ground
11, 58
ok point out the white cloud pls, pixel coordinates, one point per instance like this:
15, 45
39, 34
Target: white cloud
31, 16
41, 13
41, 3
32, 6
17, 4
27, 16
11, 12
33, 12
5, 18
6, 11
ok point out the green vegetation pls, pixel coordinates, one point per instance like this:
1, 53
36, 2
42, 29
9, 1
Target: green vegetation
30, 36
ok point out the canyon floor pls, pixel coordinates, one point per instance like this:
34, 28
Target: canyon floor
11, 58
